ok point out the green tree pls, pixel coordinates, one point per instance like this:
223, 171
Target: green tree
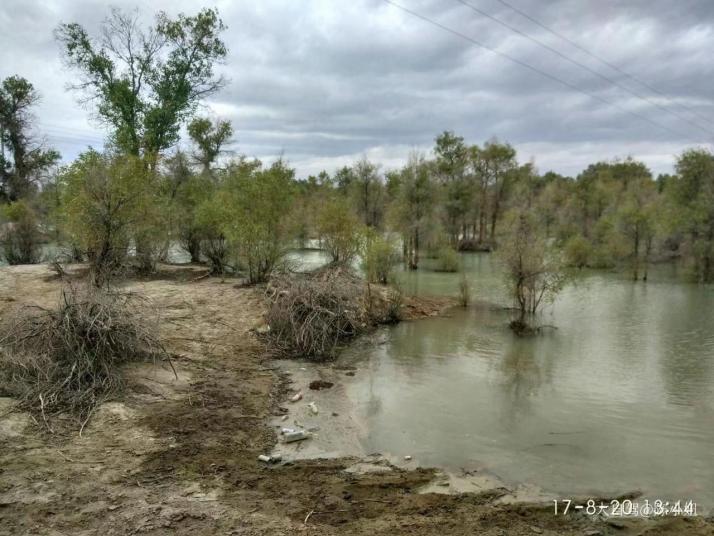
251, 206
210, 138
692, 193
368, 192
636, 218
108, 201
339, 230
533, 269
414, 207
26, 159
451, 159
146, 83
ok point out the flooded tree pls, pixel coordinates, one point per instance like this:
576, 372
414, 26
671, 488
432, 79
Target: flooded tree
692, 193
414, 205
533, 269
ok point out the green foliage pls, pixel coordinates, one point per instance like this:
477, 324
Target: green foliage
209, 138
28, 160
19, 235
379, 255
577, 251
249, 211
339, 230
533, 269
464, 292
108, 201
447, 260
692, 194
414, 206
146, 82
368, 192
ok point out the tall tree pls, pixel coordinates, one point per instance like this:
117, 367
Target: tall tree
146, 83
415, 200
451, 158
636, 218
26, 159
369, 192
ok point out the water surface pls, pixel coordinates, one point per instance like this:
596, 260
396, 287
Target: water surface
619, 397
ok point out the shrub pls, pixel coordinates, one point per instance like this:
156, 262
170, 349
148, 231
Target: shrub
464, 292
68, 359
108, 202
447, 260
378, 258
21, 238
248, 210
339, 231
577, 251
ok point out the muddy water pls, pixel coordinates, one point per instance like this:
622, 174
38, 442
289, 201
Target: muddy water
619, 397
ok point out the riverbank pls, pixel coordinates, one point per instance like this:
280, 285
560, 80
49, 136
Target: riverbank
180, 456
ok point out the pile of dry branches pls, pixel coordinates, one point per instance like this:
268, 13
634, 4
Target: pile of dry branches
311, 314
67, 359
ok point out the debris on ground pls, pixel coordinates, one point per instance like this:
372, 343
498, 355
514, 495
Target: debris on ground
270, 459
297, 435
296, 397
313, 408
316, 385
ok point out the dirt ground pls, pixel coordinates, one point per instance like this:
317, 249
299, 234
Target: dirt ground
179, 456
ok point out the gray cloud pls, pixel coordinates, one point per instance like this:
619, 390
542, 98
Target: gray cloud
325, 82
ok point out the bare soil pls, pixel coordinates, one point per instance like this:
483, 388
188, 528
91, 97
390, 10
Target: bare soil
179, 456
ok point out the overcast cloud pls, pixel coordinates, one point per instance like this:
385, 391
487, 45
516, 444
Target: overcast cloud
323, 82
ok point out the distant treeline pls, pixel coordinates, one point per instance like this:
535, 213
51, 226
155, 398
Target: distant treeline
125, 205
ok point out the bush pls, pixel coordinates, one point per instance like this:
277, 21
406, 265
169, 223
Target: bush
577, 251
378, 258
108, 202
339, 231
464, 292
21, 238
248, 210
447, 260
67, 359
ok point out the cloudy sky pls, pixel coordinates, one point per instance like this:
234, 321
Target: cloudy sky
324, 82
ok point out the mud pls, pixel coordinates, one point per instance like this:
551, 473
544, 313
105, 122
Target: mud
180, 456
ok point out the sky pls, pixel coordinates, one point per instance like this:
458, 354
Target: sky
323, 83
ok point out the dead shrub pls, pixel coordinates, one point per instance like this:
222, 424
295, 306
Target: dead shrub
311, 315
67, 360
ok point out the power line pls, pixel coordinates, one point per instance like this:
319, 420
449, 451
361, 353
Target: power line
604, 61
583, 66
535, 69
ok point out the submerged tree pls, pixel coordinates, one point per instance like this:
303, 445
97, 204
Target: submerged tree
146, 83
415, 200
636, 218
368, 192
26, 159
532, 268
692, 193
